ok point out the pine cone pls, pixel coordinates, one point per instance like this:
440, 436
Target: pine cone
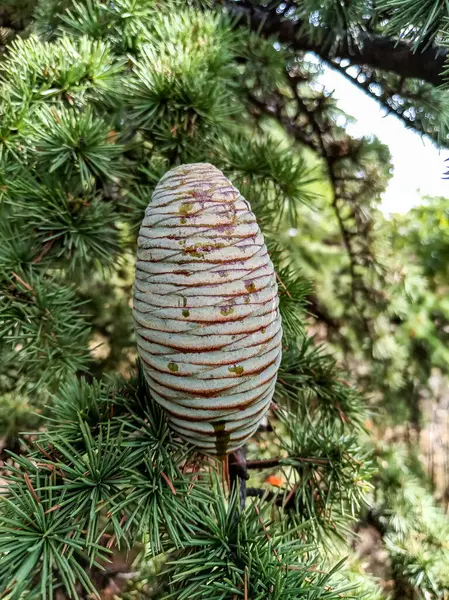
206, 309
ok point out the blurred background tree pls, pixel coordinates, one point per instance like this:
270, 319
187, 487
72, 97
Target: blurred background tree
98, 101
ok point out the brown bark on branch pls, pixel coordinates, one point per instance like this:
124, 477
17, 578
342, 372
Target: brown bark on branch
270, 463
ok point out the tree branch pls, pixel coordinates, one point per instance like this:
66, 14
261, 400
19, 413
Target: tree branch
284, 499
313, 127
238, 473
260, 493
269, 463
263, 464
369, 49
384, 99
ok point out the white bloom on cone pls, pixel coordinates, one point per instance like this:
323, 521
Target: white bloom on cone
206, 309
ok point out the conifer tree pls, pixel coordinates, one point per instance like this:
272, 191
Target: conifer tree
98, 101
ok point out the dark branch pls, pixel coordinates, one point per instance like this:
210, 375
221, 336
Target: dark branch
263, 464
238, 473
384, 99
284, 499
269, 463
370, 49
260, 493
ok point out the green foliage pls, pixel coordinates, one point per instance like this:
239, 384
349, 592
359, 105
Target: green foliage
418, 21
12, 119
293, 291
77, 72
424, 107
416, 529
425, 232
42, 327
16, 414
262, 565
78, 229
181, 89
98, 101
37, 536
317, 454
310, 379
124, 23
332, 14
129, 482
123, 476
77, 401
75, 146
265, 170
166, 88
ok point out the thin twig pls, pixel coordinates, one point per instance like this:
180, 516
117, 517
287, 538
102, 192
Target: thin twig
46, 248
24, 283
169, 483
53, 508
31, 488
284, 286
